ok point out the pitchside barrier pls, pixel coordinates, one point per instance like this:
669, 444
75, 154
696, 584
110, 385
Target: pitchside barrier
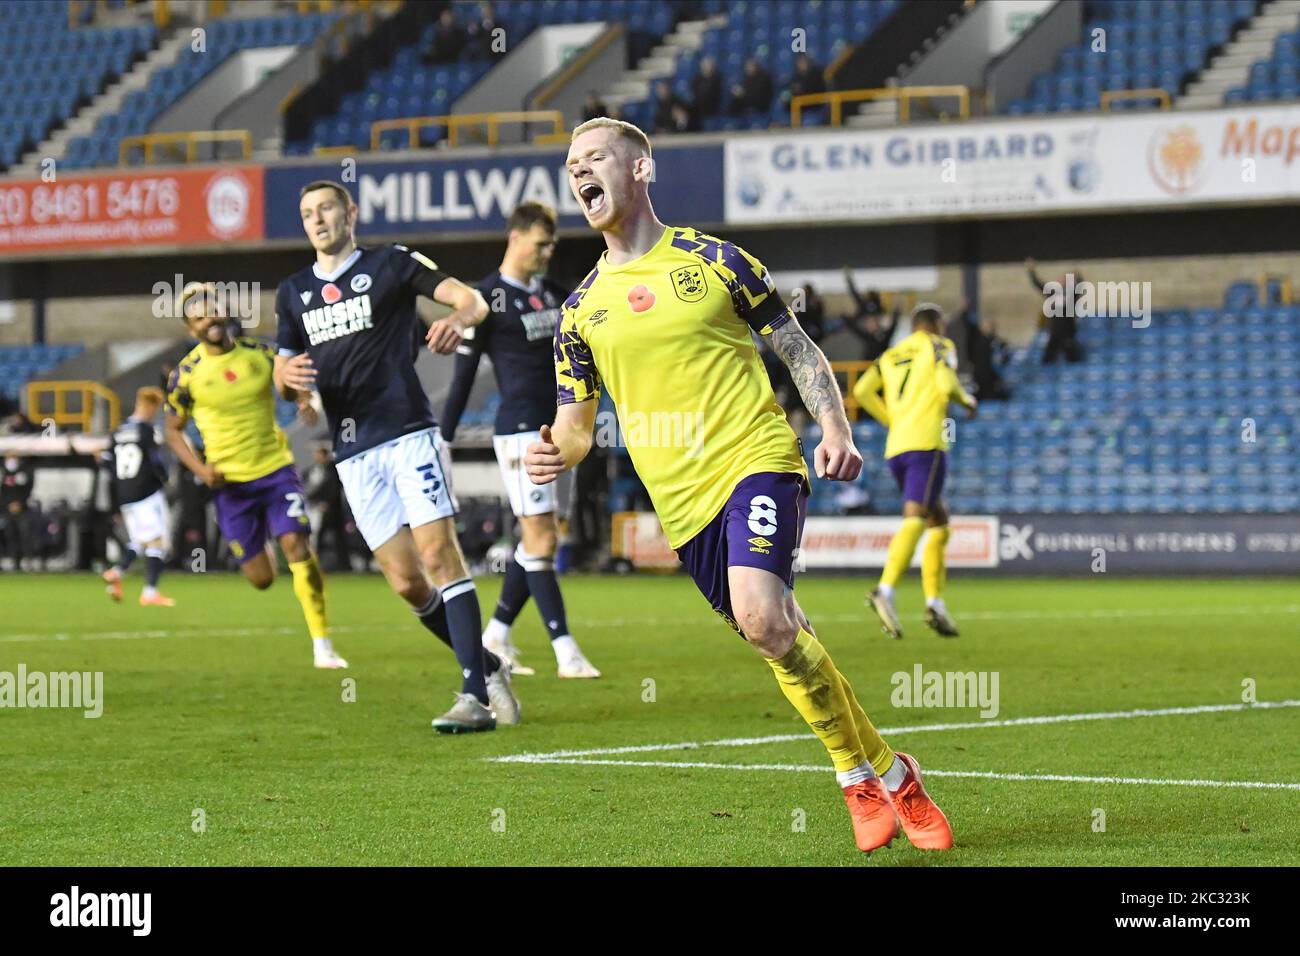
1029, 544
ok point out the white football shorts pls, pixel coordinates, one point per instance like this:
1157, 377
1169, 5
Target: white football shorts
406, 481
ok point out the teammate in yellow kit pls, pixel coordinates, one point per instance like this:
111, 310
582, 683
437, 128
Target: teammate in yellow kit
908, 391
224, 384
665, 321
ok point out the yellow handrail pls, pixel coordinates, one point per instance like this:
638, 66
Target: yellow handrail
1284, 287
150, 142
851, 371
346, 150
88, 392
455, 123
904, 95
1146, 93
550, 139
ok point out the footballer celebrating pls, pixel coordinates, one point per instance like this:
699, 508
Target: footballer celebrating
348, 328
137, 473
518, 337
224, 385
664, 322
908, 391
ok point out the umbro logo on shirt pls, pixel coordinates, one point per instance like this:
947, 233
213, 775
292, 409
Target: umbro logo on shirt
599, 316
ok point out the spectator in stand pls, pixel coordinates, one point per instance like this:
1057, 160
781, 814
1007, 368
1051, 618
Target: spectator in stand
813, 315
593, 107
325, 494
665, 102
706, 89
975, 351
998, 347
754, 92
683, 121
479, 36
1062, 328
191, 530
868, 322
958, 332
808, 77
12, 419
15, 525
448, 39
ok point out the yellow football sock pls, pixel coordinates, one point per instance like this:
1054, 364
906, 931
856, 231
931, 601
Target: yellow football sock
901, 549
811, 683
309, 587
873, 745
934, 570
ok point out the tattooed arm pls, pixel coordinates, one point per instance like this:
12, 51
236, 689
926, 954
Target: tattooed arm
835, 458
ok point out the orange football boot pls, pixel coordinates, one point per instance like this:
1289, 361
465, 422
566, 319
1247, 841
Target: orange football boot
875, 823
923, 821
114, 579
156, 600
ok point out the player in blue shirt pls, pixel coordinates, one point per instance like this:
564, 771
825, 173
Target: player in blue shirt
134, 462
518, 336
346, 327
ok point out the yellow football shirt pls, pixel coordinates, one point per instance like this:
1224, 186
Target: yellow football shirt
230, 399
668, 336
917, 380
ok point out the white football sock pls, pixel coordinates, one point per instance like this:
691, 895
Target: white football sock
886, 591
937, 604
496, 632
148, 592
847, 778
565, 647
321, 645
895, 775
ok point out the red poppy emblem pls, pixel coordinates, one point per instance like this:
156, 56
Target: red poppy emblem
330, 293
641, 298
230, 375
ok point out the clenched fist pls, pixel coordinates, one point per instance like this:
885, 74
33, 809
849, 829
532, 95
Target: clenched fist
543, 460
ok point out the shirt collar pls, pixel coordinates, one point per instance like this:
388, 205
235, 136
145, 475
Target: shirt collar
534, 286
347, 264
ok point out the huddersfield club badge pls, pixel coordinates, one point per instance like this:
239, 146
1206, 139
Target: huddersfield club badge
689, 283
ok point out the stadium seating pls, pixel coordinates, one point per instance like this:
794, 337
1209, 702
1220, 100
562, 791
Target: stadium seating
1197, 413
764, 29
48, 71
1148, 44
18, 363
410, 87
168, 84
1275, 78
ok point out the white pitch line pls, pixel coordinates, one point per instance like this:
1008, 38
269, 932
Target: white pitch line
1044, 615
895, 731
183, 632
1096, 614
987, 775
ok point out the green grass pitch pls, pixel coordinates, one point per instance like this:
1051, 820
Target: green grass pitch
214, 706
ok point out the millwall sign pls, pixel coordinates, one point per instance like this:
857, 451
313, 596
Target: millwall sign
430, 197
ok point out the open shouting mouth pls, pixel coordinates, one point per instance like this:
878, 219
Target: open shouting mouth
592, 196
